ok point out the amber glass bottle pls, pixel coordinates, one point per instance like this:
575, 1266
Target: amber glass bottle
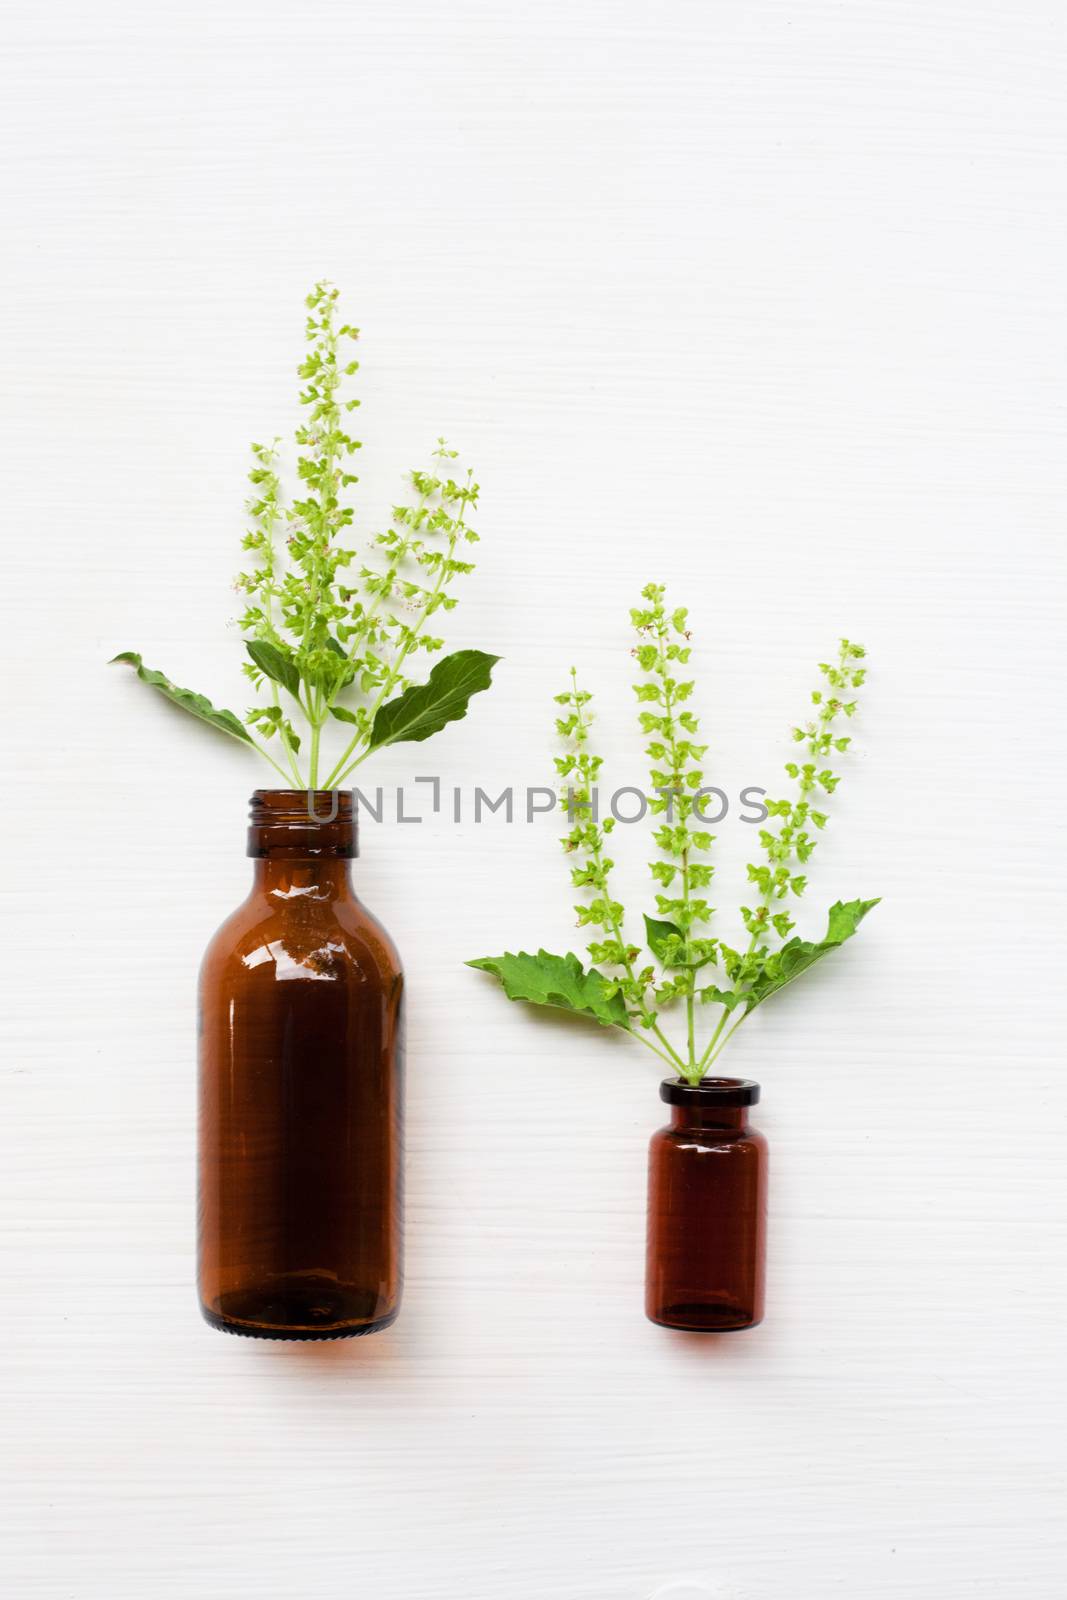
707, 1209
300, 1089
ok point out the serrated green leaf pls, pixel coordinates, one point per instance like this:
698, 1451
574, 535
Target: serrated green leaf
723, 997
425, 708
196, 704
275, 663
560, 981
797, 955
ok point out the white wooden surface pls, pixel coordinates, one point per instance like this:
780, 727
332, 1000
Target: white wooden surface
763, 299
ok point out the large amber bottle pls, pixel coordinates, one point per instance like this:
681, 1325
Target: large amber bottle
301, 1089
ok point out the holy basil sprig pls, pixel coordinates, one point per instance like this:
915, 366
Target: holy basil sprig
331, 641
634, 986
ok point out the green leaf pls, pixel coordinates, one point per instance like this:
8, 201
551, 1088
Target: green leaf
349, 669
275, 663
658, 934
188, 699
666, 942
798, 955
343, 714
425, 708
561, 981
723, 997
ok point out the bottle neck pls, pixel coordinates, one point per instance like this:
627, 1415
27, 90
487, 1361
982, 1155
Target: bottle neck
302, 827
721, 1119
320, 878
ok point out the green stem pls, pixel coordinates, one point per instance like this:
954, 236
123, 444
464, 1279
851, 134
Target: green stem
711, 1055
677, 792
391, 571
672, 1060
330, 420
342, 768
764, 926
671, 1057
708, 1056
313, 757
267, 756
289, 751
268, 521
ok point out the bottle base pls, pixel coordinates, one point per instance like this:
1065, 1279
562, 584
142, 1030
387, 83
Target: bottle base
247, 1331
704, 1317
299, 1307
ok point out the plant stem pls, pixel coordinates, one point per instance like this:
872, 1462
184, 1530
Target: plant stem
293, 764
764, 926
668, 707
267, 755
329, 419
708, 1057
672, 1060
342, 769
392, 571
313, 757
596, 852
711, 1055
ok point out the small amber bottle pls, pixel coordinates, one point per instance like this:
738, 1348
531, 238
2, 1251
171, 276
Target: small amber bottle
300, 1089
707, 1209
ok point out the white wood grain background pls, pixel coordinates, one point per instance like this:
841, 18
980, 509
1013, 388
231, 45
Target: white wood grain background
765, 300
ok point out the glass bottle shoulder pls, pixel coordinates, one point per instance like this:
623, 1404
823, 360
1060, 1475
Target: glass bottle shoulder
742, 1140
297, 934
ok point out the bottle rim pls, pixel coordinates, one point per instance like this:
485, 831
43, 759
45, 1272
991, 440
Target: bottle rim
710, 1091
